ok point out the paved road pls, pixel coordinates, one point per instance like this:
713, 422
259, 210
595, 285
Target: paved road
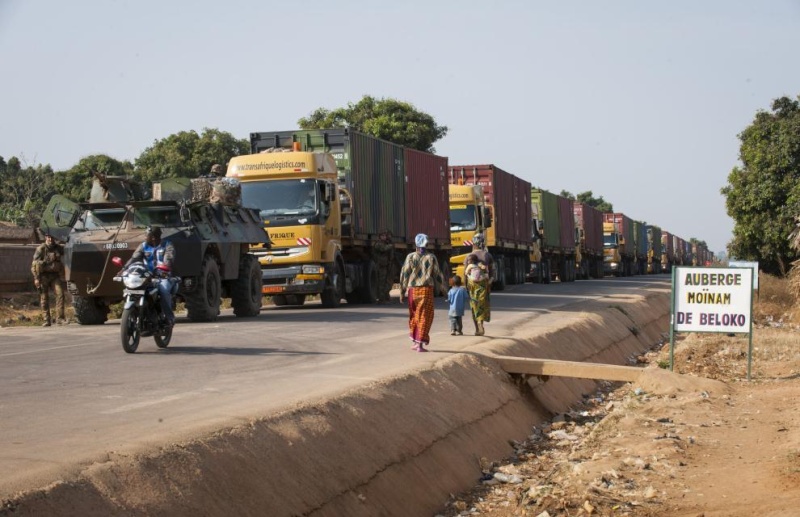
70, 395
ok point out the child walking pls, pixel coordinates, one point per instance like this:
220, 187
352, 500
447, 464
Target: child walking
457, 297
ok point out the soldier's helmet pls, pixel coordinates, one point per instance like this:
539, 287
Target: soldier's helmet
216, 170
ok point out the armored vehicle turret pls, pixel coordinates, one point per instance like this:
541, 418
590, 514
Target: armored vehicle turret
211, 241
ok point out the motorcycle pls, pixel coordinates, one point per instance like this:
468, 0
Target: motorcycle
142, 315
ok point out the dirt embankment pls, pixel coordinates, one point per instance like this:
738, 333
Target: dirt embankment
397, 447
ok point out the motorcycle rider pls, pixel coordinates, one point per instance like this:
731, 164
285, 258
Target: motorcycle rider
158, 257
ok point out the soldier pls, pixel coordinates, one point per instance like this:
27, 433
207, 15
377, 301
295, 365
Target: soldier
383, 256
216, 171
48, 271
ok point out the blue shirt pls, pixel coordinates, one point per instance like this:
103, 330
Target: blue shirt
457, 297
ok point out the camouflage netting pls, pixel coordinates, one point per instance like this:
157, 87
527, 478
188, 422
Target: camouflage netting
226, 191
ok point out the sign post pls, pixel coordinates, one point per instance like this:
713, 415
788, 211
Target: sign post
706, 299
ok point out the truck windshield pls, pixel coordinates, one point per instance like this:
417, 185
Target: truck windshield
156, 215
100, 219
275, 198
610, 240
462, 217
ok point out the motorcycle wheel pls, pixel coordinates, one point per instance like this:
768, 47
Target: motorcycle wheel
163, 336
129, 329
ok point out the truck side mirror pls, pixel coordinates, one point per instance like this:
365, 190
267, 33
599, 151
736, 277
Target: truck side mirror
487, 217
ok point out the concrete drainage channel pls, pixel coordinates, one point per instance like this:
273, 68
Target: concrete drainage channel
395, 447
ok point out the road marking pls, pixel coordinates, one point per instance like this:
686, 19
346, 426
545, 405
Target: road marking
46, 349
149, 403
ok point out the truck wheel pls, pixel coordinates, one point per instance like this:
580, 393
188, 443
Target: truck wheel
368, 291
332, 294
246, 296
500, 284
202, 304
279, 300
89, 311
295, 299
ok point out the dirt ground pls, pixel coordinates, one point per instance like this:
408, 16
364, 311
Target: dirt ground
726, 446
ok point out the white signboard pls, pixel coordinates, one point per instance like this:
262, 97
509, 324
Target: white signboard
743, 263
714, 299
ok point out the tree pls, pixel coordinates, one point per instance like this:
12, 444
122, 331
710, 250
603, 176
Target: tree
763, 194
187, 154
589, 199
23, 190
390, 119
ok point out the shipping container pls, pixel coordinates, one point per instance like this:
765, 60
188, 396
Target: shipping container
653, 249
427, 196
667, 251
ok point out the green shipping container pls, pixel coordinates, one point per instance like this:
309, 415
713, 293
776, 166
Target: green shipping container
544, 208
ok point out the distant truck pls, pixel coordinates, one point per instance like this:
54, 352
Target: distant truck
325, 196
619, 248
653, 249
640, 245
555, 238
589, 241
211, 241
488, 199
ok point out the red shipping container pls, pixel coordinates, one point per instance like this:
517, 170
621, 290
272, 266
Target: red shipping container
427, 197
591, 220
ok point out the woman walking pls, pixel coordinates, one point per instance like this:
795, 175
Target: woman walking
420, 279
479, 272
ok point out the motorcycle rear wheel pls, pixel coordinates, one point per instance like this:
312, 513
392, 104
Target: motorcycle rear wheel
129, 329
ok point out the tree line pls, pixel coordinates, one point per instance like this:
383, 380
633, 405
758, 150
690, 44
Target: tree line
762, 195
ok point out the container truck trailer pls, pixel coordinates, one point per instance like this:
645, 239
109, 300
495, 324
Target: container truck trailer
640, 245
553, 255
325, 197
619, 252
488, 199
589, 241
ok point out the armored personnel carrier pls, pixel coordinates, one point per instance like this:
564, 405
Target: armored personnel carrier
211, 236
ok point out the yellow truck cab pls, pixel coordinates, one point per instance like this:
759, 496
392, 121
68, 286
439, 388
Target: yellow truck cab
298, 198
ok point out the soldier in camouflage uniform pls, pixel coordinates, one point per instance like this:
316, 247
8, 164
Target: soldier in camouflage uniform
48, 271
383, 256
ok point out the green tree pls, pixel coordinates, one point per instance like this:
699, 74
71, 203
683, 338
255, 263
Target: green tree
390, 119
763, 194
188, 154
23, 190
589, 199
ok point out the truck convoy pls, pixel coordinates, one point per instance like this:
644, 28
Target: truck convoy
487, 199
619, 246
325, 197
211, 241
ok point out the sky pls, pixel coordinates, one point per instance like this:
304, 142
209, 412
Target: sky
639, 102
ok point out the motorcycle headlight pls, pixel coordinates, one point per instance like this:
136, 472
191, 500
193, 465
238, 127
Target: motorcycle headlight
133, 281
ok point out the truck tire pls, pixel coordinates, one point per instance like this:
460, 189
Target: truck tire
368, 292
89, 311
500, 284
202, 304
246, 293
295, 299
280, 300
331, 295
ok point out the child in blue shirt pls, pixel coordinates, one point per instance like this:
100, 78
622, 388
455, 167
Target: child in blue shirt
457, 297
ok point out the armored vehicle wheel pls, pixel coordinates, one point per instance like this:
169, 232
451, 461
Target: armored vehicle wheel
246, 293
332, 294
129, 329
202, 304
89, 311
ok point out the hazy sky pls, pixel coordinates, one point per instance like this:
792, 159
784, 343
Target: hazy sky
639, 102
